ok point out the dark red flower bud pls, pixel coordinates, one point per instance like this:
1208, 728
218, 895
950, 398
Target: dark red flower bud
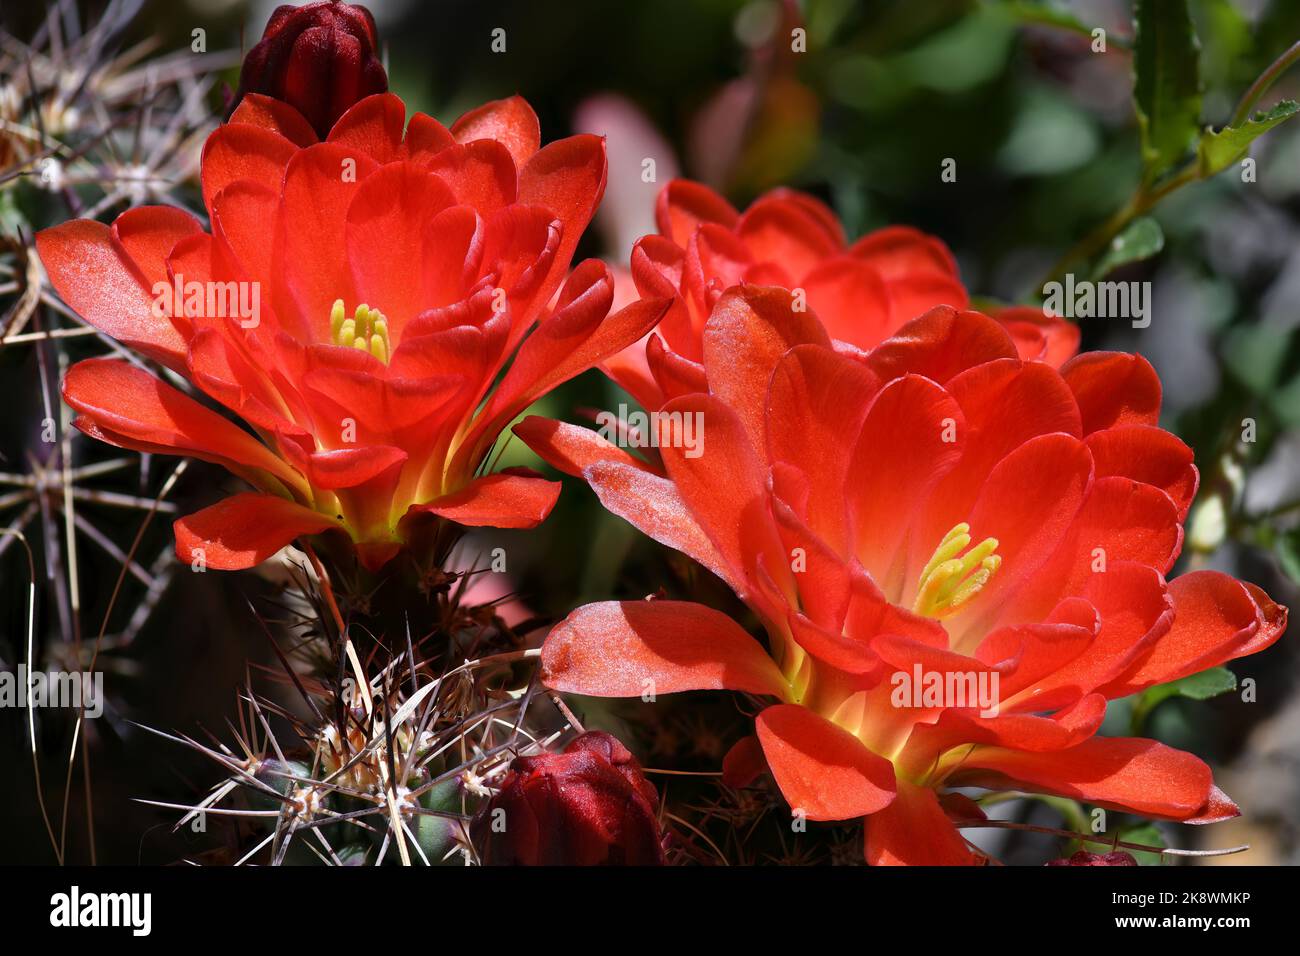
587, 806
320, 58
1084, 858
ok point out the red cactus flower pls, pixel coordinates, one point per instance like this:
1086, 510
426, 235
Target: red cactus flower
392, 275
587, 806
862, 292
1084, 858
937, 507
320, 58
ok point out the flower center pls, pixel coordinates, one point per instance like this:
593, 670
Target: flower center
951, 578
366, 330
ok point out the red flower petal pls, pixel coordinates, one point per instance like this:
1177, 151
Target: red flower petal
142, 412
278, 116
1272, 622
372, 126
900, 251
653, 505
739, 523
575, 337
744, 763
1040, 651
1218, 807
1028, 503
683, 205
244, 530
243, 242
1058, 338
349, 467
954, 728
389, 241
823, 770
1113, 388
821, 576
1121, 521
821, 213
630, 648
940, 344
1006, 403
1134, 609
425, 136
817, 399
510, 121
657, 268
452, 253
568, 178
674, 374
778, 229
852, 301
240, 151
749, 331
310, 261
918, 269
1150, 455
480, 174
498, 501
1129, 521
146, 236
716, 260
899, 456
1215, 619
571, 448
97, 279
914, 295
832, 648
1120, 773
915, 831
520, 246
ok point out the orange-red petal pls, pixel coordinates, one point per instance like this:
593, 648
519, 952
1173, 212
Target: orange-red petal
823, 771
244, 530
633, 648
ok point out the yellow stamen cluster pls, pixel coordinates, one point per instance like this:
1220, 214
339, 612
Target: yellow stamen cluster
949, 581
367, 330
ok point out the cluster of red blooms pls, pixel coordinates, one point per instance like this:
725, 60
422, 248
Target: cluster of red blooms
910, 486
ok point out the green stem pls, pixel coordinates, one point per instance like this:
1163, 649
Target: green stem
1142, 200
1142, 708
1032, 14
1261, 85
1145, 197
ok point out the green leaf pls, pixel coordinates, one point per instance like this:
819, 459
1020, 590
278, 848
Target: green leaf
1148, 834
1045, 14
11, 217
1206, 684
1202, 686
1218, 151
1286, 405
1288, 553
1142, 239
1166, 83
1256, 354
